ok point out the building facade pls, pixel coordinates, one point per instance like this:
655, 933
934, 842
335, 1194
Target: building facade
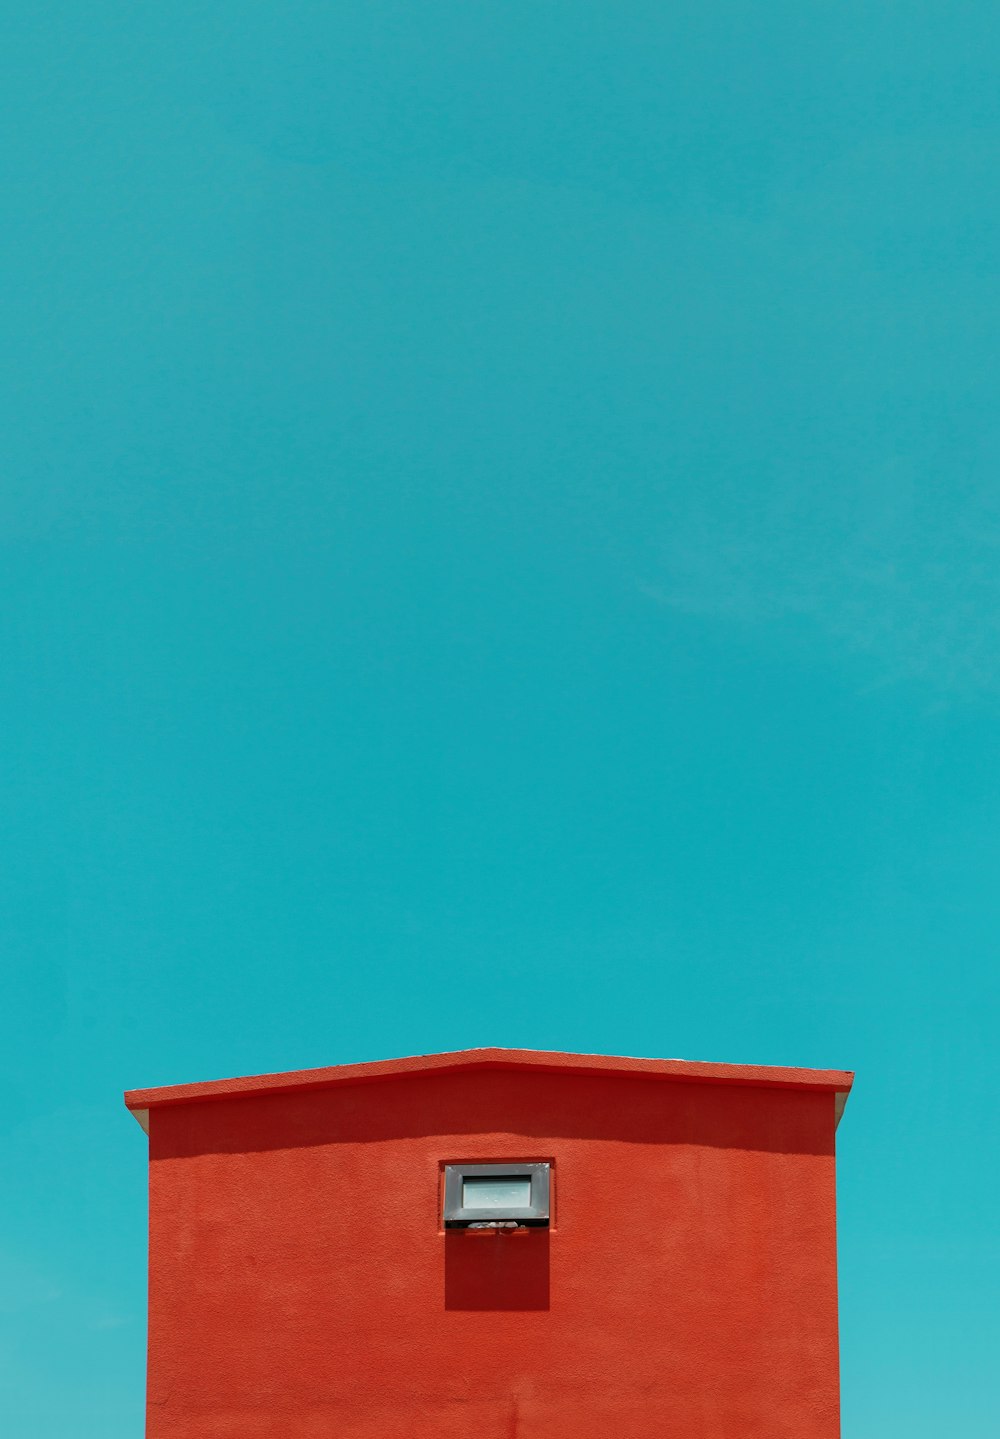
495, 1244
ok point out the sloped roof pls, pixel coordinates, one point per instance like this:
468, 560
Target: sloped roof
833, 1081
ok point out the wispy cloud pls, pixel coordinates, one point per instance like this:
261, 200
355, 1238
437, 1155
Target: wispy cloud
891, 567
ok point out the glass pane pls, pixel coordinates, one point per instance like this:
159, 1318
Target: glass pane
496, 1191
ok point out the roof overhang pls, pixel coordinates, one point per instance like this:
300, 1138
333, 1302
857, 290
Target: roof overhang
816, 1081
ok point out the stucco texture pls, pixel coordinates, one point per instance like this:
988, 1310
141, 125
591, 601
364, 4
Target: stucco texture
301, 1284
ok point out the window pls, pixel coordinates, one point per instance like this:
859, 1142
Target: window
491, 1194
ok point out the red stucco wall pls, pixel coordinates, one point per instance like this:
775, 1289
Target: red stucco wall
301, 1284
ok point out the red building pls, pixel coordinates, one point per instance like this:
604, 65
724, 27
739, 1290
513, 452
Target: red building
495, 1244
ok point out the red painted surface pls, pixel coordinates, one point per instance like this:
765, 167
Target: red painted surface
301, 1284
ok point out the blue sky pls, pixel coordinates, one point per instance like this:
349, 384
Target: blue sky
500, 529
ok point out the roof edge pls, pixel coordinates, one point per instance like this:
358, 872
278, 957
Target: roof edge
832, 1081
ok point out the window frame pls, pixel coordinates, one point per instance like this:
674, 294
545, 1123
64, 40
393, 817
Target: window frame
456, 1216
